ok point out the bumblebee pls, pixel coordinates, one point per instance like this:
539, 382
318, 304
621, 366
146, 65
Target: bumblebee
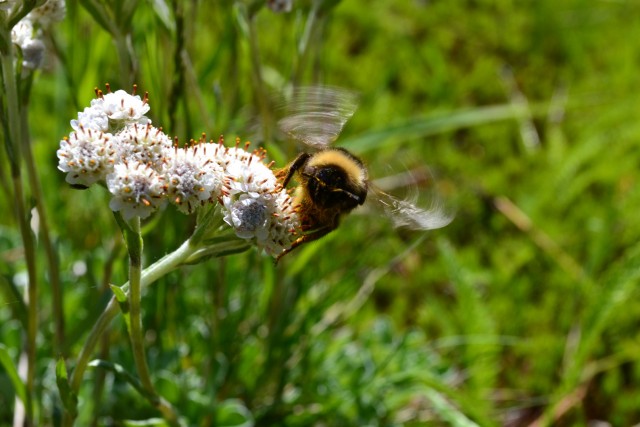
331, 181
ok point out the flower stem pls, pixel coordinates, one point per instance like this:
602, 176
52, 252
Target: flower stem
14, 149
135, 296
136, 333
52, 259
148, 276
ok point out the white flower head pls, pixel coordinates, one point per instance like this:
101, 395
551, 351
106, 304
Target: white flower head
145, 144
50, 12
267, 218
248, 216
113, 112
247, 172
91, 118
22, 33
191, 178
284, 226
122, 108
86, 156
256, 206
137, 190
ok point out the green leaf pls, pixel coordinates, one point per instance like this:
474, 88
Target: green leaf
120, 295
447, 411
132, 238
99, 13
11, 293
430, 125
123, 302
157, 422
233, 413
12, 372
122, 374
68, 397
222, 237
124, 12
163, 12
217, 251
619, 285
325, 6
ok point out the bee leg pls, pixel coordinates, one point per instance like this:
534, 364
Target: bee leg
315, 235
294, 166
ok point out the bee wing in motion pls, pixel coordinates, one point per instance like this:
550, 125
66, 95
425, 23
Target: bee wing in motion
408, 212
404, 213
317, 114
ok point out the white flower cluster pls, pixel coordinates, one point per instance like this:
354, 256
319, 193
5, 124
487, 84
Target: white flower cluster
256, 205
114, 143
25, 34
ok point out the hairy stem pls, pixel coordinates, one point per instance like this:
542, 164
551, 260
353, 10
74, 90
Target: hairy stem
135, 296
152, 273
15, 153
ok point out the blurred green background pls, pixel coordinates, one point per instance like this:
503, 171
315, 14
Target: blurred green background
522, 312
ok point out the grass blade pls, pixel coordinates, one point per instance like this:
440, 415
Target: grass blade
433, 124
12, 373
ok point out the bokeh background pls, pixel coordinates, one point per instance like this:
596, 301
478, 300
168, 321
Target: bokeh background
522, 312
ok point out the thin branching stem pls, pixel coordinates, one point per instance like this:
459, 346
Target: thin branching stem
13, 139
136, 332
47, 242
152, 273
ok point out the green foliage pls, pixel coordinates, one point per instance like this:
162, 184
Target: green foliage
67, 396
12, 374
523, 309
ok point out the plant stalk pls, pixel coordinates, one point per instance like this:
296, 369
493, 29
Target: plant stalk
152, 273
13, 140
136, 334
47, 242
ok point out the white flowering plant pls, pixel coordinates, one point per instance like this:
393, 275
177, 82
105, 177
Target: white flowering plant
114, 143
237, 198
230, 341
26, 34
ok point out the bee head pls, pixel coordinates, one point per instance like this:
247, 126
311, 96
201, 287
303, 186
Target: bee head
330, 186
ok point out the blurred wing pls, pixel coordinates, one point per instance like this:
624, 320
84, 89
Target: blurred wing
408, 213
317, 114
405, 213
